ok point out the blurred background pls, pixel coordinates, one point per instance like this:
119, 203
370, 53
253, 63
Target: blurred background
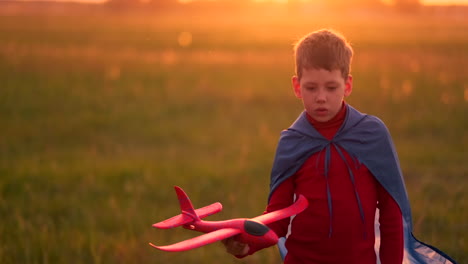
106, 105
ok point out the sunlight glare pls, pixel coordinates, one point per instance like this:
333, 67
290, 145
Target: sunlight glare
389, 2
407, 88
424, 2
444, 2
185, 39
276, 1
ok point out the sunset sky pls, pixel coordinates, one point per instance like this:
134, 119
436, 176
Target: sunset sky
425, 2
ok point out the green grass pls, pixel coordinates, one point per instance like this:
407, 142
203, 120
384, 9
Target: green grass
100, 117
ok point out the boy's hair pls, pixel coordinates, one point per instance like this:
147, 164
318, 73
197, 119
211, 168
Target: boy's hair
323, 49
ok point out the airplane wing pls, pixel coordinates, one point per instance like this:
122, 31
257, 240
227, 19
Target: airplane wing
199, 241
209, 210
175, 221
183, 219
297, 207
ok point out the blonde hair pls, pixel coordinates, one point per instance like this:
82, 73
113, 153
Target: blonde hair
323, 49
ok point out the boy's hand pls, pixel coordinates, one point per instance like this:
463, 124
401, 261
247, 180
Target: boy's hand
235, 247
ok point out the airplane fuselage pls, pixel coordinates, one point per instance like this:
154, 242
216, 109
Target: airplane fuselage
252, 231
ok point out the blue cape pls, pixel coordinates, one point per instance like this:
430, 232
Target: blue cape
367, 139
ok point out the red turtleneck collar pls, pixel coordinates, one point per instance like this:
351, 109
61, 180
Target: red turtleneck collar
329, 128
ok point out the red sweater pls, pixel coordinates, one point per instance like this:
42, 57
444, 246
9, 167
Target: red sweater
352, 238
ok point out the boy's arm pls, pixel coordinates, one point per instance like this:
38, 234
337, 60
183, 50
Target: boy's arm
391, 228
282, 197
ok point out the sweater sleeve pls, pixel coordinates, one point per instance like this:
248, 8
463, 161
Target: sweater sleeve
391, 228
281, 198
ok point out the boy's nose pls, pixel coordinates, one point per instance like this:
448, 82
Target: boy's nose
321, 97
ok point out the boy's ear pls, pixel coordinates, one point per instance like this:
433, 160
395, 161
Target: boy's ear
348, 86
297, 86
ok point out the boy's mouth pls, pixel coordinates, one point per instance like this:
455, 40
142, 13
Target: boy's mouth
321, 111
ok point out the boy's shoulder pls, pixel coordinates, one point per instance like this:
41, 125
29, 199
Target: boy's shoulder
364, 122
374, 121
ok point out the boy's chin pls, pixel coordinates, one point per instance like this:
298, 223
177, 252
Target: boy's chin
321, 118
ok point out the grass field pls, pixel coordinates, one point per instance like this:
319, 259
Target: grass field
102, 114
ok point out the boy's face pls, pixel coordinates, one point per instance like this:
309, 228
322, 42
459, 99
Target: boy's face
322, 92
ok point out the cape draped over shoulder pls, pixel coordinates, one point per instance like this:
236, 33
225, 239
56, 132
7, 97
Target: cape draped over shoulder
367, 139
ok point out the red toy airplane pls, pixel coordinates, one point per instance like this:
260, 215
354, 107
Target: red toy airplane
251, 231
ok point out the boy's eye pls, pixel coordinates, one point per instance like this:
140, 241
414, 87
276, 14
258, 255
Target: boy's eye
331, 87
310, 88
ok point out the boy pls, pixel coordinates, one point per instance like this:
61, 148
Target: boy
345, 164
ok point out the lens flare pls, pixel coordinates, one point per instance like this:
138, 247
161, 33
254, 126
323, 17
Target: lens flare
185, 39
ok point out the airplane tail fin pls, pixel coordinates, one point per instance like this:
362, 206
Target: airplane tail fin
185, 204
189, 214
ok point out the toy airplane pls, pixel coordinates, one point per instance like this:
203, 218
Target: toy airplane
251, 231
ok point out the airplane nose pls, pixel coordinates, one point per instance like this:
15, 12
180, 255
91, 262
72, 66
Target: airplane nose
259, 234
271, 238
255, 228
